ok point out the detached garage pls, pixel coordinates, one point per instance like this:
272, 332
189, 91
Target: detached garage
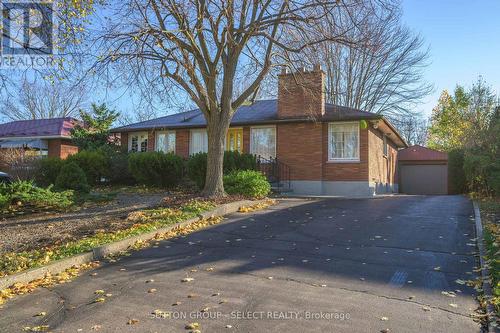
422, 171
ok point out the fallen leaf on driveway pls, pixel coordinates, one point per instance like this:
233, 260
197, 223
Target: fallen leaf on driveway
161, 314
132, 321
384, 318
99, 292
426, 308
453, 305
192, 326
176, 303
96, 327
448, 293
41, 314
385, 330
41, 328
152, 290
205, 309
187, 279
99, 300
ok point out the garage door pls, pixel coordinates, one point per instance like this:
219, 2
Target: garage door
424, 179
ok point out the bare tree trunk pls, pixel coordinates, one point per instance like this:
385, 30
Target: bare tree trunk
217, 131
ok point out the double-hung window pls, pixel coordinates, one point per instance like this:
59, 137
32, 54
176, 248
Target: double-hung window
343, 142
165, 141
263, 141
198, 142
138, 142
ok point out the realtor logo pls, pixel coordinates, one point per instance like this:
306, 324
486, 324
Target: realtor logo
27, 28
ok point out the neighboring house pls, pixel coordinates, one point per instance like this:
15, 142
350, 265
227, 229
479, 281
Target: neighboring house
423, 171
327, 149
41, 137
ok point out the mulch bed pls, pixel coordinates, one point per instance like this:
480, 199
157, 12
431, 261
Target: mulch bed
51, 228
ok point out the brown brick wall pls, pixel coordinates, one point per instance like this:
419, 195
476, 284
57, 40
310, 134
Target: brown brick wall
151, 140
300, 146
301, 94
182, 143
382, 168
61, 148
124, 140
340, 171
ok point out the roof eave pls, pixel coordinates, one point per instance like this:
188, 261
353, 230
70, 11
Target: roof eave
240, 123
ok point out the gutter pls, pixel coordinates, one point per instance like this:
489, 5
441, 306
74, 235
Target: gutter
34, 137
239, 123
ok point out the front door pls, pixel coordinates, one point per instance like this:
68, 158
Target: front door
234, 139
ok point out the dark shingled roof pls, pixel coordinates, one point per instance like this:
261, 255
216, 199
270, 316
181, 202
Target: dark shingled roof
54, 127
260, 112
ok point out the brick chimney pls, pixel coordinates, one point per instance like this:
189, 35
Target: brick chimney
301, 94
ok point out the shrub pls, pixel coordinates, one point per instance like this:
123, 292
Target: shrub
72, 177
249, 183
197, 168
494, 182
233, 161
118, 171
156, 168
47, 171
95, 164
456, 174
25, 193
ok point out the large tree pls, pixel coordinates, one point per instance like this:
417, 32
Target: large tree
383, 73
40, 99
218, 52
412, 127
460, 120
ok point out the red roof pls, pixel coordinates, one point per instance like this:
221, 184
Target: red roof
54, 127
419, 153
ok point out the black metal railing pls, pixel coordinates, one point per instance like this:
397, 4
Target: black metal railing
276, 172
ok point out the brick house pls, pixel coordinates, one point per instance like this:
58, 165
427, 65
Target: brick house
328, 149
39, 137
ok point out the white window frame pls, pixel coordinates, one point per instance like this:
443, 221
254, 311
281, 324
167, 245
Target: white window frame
158, 148
191, 140
261, 127
131, 134
337, 159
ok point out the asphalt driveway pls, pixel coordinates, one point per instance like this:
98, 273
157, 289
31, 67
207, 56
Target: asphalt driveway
318, 265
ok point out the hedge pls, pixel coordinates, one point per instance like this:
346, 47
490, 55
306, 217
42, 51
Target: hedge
72, 177
94, 163
156, 168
